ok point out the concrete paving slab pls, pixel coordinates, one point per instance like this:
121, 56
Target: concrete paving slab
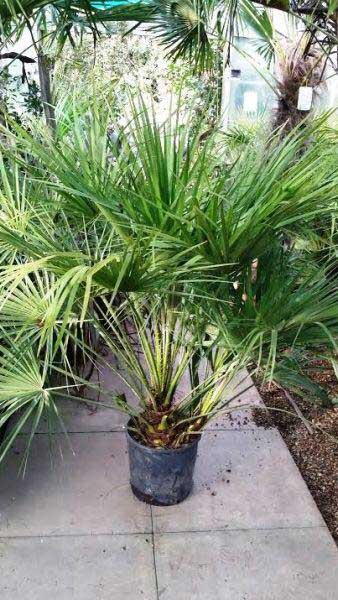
81, 417
84, 492
79, 568
244, 393
281, 564
243, 479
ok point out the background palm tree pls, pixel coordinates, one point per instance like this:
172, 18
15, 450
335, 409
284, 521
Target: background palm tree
200, 31
296, 68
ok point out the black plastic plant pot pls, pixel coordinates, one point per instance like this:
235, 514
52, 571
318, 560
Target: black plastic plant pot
161, 476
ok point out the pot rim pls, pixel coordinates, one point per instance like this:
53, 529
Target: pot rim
182, 448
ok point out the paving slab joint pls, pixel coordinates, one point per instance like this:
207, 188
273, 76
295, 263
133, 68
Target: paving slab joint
154, 552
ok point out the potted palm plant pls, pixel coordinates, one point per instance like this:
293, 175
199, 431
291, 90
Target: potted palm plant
156, 343
173, 254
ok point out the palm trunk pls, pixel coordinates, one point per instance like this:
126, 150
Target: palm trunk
45, 88
305, 68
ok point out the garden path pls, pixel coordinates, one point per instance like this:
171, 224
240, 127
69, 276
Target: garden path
249, 531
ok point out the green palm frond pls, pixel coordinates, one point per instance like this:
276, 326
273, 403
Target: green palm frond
66, 19
183, 27
23, 395
260, 22
10, 9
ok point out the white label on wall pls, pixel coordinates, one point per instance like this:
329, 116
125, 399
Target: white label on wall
250, 102
304, 97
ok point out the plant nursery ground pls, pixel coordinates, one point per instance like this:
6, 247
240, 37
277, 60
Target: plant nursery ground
316, 454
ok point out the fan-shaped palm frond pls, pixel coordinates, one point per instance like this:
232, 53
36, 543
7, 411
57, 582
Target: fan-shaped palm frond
260, 22
184, 28
23, 394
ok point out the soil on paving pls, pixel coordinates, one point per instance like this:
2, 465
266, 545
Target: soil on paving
316, 453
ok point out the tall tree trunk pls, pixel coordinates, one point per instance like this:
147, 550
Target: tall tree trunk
45, 88
225, 90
